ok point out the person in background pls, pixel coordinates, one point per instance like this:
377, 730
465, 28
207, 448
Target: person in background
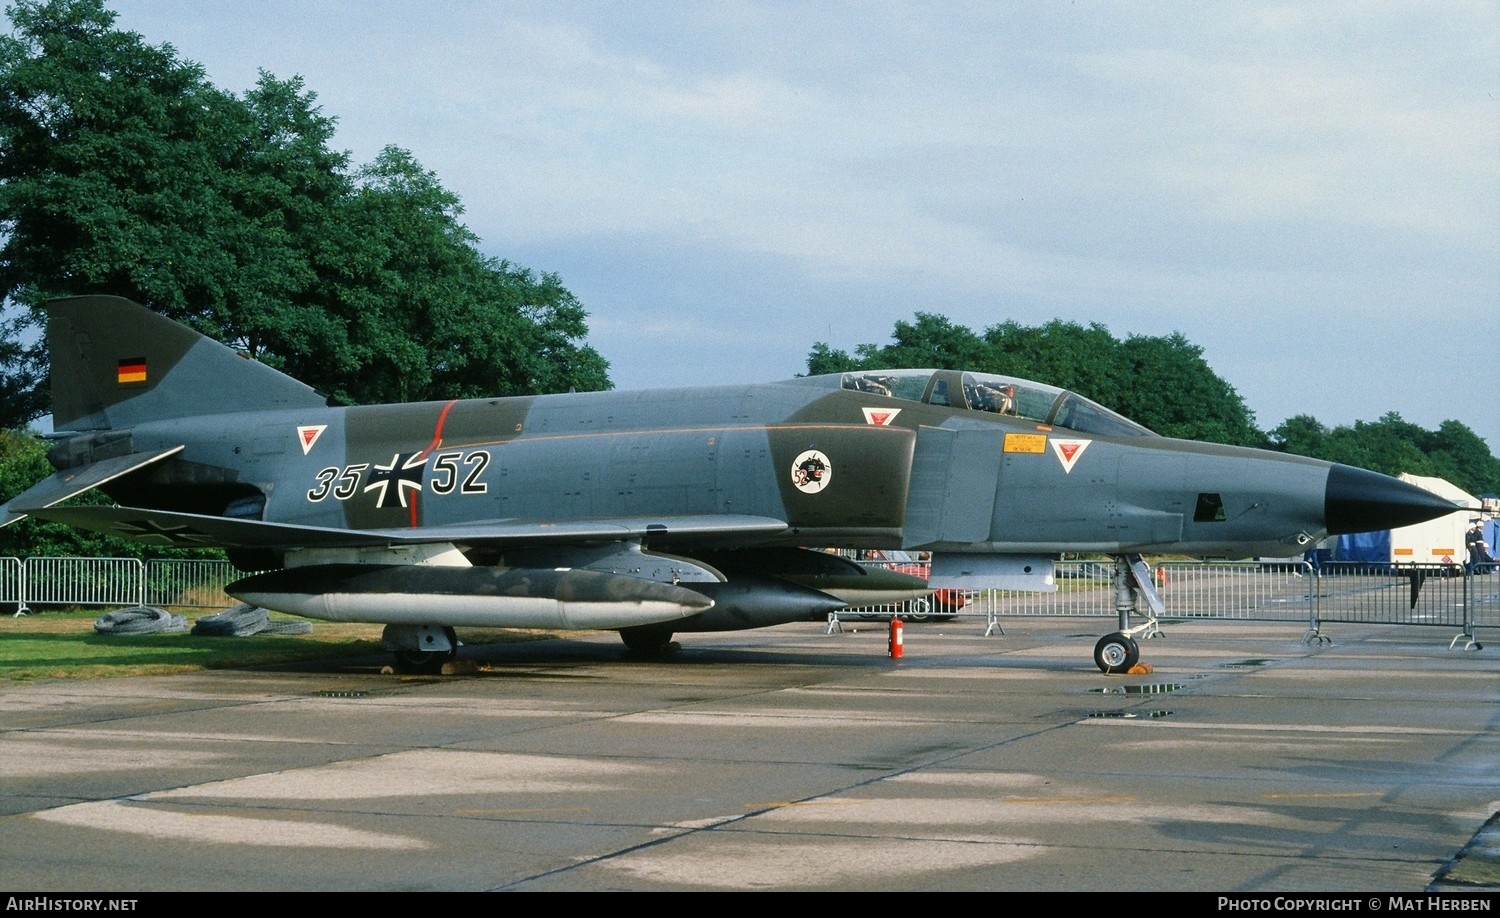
1479, 549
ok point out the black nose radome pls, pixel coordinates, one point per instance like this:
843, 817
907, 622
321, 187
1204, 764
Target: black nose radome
1359, 500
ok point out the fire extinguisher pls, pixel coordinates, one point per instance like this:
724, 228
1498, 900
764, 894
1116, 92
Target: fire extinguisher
896, 627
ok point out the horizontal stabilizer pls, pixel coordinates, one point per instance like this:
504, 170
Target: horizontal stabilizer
72, 482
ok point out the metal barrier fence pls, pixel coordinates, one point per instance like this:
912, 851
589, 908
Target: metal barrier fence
82, 582
189, 584
1451, 596
1447, 595
10, 582
113, 582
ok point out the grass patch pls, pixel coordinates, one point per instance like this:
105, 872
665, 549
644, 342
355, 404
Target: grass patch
64, 645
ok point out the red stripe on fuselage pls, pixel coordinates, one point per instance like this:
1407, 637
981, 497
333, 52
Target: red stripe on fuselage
437, 439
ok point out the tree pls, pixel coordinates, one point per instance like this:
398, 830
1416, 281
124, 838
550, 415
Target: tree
933, 341
1461, 456
1300, 435
823, 359
1064, 354
1394, 446
422, 314
122, 170
1174, 392
21, 398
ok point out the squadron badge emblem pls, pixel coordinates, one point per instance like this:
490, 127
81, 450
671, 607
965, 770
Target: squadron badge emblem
811, 472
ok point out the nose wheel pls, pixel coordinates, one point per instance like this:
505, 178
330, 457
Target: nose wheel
1116, 653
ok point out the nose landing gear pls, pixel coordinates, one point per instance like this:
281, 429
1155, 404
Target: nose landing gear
1118, 652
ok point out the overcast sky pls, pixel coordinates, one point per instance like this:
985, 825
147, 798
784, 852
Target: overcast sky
1309, 192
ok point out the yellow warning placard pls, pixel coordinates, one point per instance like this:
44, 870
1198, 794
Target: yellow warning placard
1025, 443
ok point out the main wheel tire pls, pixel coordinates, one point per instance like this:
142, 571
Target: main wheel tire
647, 640
421, 662
427, 662
1116, 653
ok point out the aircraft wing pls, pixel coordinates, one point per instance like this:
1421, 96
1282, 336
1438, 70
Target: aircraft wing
72, 482
190, 529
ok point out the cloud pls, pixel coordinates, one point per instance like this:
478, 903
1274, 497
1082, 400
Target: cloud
1292, 187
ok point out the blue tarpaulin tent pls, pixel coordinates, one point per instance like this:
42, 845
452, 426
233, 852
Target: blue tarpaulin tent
1365, 547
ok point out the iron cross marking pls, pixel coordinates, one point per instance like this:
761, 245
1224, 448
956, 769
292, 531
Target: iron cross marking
152, 531
391, 482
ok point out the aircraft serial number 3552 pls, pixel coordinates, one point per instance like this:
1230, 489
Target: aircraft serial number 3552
343, 483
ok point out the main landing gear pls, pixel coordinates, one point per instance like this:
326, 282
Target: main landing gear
420, 649
648, 640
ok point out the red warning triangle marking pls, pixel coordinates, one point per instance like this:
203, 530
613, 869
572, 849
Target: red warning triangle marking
1068, 451
309, 435
880, 417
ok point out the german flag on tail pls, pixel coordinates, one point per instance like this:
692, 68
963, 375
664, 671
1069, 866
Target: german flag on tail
132, 370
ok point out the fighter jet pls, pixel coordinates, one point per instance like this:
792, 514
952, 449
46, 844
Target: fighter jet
652, 512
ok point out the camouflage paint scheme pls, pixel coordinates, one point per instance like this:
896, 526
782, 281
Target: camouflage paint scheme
719, 491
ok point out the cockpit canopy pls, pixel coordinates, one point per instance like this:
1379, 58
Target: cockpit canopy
1005, 395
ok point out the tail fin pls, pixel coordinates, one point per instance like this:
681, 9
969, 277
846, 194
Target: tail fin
117, 364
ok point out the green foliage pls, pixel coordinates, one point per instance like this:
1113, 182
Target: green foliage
21, 398
1391, 445
932, 341
123, 171
823, 359
1163, 383
1062, 354
1461, 456
419, 313
1176, 393
64, 645
1300, 435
